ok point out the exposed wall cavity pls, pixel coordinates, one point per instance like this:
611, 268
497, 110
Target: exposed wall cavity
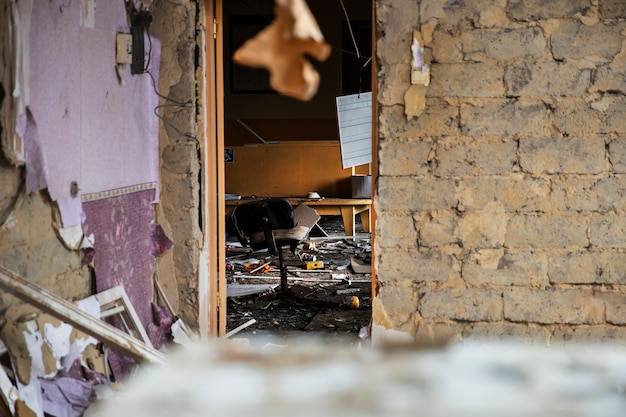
179, 210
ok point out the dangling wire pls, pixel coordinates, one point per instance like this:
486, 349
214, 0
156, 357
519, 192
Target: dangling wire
173, 102
361, 75
358, 54
356, 48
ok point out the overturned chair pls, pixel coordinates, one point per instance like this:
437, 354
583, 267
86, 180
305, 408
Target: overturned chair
268, 223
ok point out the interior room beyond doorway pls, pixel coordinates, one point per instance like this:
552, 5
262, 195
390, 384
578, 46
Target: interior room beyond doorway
277, 146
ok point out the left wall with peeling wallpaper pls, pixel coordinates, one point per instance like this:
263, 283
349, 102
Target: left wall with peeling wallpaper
77, 205
29, 242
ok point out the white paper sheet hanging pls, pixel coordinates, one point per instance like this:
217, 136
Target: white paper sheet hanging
354, 115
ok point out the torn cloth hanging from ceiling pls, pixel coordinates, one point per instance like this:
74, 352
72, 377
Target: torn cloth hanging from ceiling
280, 48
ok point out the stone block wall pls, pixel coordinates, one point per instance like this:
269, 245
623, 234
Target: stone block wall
501, 208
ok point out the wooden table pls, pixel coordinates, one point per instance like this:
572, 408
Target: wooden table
347, 208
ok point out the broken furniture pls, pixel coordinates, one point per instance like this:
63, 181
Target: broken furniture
115, 301
268, 223
347, 208
70, 314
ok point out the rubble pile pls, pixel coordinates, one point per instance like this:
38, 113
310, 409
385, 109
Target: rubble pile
329, 291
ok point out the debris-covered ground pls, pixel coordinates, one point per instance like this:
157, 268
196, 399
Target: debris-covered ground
330, 301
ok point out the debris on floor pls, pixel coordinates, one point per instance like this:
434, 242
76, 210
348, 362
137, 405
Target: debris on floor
56, 356
329, 277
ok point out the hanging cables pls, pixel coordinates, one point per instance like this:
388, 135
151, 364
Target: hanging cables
356, 46
173, 102
345, 12
141, 21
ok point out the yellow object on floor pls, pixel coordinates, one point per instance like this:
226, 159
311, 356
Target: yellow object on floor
315, 265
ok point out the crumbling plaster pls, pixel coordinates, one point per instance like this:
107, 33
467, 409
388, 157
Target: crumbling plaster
29, 244
179, 209
500, 208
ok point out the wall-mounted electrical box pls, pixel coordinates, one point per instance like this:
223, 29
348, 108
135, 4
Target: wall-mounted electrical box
123, 48
139, 23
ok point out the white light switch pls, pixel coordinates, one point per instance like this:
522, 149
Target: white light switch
420, 76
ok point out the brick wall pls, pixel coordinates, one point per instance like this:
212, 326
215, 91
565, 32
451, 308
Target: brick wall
501, 207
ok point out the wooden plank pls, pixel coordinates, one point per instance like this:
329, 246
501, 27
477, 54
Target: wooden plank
238, 329
70, 314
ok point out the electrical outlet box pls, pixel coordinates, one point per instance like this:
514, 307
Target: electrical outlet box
419, 76
124, 48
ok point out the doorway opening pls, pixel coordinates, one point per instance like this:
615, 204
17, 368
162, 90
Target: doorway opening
277, 146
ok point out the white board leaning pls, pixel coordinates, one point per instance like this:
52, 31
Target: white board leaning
354, 116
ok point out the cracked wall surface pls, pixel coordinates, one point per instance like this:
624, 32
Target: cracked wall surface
179, 209
29, 244
500, 209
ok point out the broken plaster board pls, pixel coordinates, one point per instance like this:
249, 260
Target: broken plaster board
69, 313
30, 392
8, 391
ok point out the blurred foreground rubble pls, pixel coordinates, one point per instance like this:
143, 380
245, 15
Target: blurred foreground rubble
308, 378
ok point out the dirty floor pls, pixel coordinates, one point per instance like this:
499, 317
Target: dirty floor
333, 302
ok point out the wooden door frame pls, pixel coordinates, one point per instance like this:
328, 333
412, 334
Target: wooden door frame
212, 265
212, 275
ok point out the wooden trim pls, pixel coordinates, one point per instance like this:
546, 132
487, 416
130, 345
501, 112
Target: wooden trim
209, 258
212, 274
205, 38
115, 301
374, 164
220, 177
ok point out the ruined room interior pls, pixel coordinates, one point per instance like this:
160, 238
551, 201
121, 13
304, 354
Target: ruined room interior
276, 145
